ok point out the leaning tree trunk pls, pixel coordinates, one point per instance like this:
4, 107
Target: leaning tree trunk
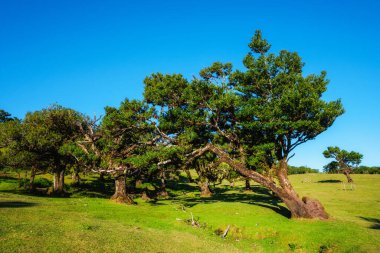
120, 195
205, 189
299, 208
347, 174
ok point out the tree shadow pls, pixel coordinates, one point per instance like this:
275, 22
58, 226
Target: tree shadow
94, 188
260, 196
16, 204
375, 221
330, 181
6, 177
181, 187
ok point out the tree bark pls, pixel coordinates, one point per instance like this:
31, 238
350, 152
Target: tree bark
205, 189
163, 192
25, 180
299, 208
347, 174
59, 182
247, 185
31, 180
120, 195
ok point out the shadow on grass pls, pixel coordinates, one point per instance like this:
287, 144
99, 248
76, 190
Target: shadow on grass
260, 197
95, 188
6, 177
376, 222
330, 181
15, 204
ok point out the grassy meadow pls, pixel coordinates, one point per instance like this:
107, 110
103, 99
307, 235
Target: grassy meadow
88, 221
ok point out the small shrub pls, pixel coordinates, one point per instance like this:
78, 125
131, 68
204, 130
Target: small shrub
293, 246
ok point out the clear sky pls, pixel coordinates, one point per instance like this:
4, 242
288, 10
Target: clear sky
89, 54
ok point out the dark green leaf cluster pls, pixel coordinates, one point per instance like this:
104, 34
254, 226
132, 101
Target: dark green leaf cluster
343, 159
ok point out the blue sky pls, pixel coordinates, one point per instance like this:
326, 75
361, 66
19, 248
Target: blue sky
89, 54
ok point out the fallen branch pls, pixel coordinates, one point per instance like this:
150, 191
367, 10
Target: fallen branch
226, 232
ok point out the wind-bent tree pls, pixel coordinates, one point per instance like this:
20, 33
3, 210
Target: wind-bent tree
254, 118
112, 146
344, 161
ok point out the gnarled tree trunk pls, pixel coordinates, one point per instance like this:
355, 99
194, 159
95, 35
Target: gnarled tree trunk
299, 208
120, 195
205, 189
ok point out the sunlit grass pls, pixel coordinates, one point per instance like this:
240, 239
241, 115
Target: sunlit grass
257, 223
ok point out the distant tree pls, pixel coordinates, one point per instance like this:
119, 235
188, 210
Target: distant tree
366, 170
344, 161
301, 170
252, 117
5, 116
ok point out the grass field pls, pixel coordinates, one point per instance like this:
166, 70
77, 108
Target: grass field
258, 223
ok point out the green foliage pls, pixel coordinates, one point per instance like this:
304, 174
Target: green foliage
38, 142
30, 223
342, 159
301, 170
366, 170
5, 116
259, 115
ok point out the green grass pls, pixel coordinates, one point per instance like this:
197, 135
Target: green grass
258, 222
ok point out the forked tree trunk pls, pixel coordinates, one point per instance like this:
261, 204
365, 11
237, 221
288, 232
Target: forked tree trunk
205, 189
347, 174
247, 185
120, 195
299, 208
